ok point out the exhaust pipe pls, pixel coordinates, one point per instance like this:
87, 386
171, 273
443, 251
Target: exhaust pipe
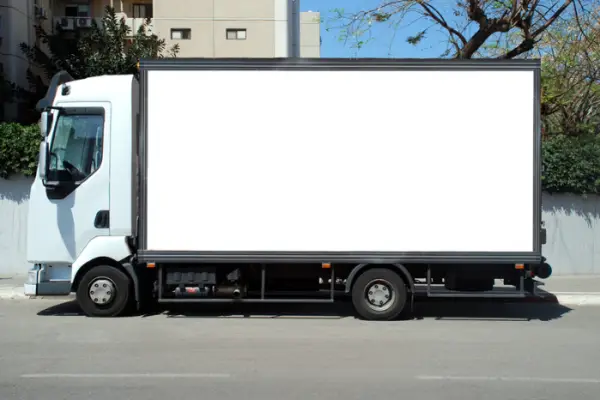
230, 291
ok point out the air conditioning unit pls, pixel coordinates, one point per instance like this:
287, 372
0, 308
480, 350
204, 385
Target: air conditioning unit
65, 23
84, 22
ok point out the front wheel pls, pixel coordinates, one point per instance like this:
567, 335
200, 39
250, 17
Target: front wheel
379, 294
104, 291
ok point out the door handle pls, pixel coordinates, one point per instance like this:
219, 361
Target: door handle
102, 220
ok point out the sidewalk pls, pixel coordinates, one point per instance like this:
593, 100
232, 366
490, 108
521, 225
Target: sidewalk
11, 287
567, 290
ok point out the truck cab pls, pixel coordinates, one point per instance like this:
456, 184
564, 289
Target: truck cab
80, 209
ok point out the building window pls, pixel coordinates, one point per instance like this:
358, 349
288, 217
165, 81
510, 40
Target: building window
181, 34
142, 11
77, 10
236, 34
71, 11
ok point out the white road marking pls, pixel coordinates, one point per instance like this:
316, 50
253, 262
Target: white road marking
507, 379
127, 376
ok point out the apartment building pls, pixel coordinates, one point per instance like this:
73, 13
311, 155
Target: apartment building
17, 20
310, 34
202, 28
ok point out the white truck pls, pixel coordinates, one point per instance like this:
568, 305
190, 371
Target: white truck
289, 180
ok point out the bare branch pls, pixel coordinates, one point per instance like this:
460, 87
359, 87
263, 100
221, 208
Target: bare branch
525, 46
549, 22
439, 18
476, 13
529, 18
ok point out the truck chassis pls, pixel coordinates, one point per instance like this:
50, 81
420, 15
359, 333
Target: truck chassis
377, 291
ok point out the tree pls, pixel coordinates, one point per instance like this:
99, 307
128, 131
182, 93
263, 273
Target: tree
468, 25
571, 76
107, 48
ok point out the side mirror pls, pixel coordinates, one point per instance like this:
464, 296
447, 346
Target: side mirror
43, 160
45, 123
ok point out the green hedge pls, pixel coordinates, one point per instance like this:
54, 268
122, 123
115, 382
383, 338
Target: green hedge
19, 148
571, 164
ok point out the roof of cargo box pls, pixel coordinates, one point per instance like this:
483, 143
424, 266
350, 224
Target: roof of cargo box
336, 63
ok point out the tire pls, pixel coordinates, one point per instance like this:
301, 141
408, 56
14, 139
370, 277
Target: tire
113, 285
388, 283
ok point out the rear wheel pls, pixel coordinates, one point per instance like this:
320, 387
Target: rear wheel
379, 294
105, 291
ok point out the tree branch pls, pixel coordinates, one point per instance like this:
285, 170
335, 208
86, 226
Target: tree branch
553, 18
525, 46
439, 18
475, 13
476, 41
529, 40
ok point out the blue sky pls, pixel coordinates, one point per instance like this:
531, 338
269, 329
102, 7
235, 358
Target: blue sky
386, 41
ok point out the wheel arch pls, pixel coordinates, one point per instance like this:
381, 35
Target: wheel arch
399, 268
124, 267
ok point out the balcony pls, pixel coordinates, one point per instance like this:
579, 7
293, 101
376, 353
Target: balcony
72, 23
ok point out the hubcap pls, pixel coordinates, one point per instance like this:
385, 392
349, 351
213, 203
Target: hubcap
102, 291
380, 295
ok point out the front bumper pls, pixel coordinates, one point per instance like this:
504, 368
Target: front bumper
40, 282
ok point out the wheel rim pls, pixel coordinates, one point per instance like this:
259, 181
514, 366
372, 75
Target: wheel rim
102, 291
379, 295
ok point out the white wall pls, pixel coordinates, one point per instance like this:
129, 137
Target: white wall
14, 197
573, 229
572, 223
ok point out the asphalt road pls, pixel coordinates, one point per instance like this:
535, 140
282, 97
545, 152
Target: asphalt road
461, 350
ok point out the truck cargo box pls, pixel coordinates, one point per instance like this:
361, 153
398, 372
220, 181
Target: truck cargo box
274, 160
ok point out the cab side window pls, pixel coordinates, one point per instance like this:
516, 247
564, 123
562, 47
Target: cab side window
76, 148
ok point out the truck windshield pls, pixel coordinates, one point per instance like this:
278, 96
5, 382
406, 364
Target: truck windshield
76, 148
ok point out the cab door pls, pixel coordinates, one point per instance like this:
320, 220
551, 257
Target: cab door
70, 205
